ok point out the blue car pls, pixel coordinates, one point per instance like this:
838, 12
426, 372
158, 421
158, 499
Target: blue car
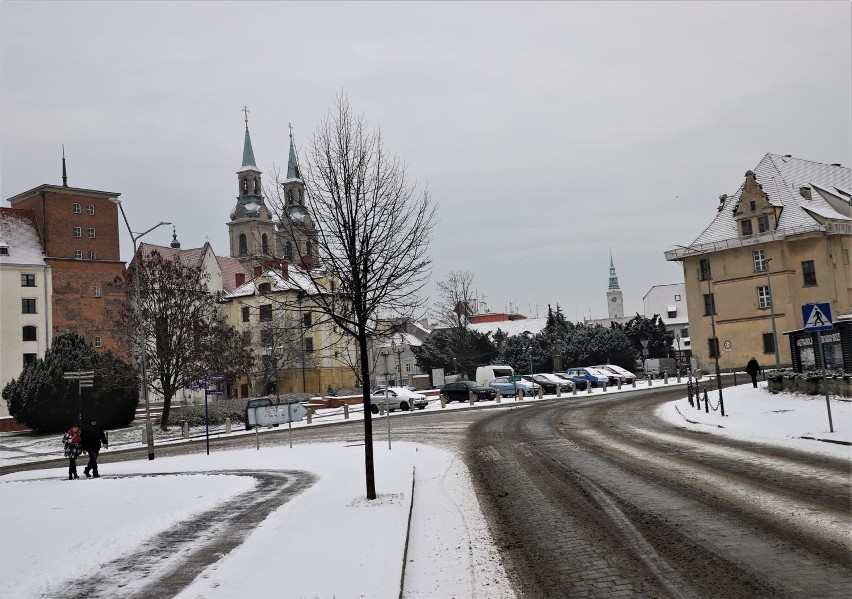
579, 382
595, 378
508, 389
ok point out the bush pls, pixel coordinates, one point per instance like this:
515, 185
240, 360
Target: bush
45, 402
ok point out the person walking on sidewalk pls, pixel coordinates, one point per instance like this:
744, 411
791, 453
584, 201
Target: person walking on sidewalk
72, 449
752, 368
93, 439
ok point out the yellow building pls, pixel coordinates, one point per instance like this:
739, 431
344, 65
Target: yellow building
781, 241
297, 349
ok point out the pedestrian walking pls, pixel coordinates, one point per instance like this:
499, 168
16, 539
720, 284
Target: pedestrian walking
93, 438
752, 368
72, 449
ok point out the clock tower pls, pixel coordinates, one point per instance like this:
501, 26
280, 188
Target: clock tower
614, 297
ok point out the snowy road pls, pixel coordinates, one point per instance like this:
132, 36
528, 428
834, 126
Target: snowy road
599, 498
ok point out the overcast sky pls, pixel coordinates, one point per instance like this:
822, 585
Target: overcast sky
549, 134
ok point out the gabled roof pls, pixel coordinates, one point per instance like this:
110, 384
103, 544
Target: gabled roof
191, 257
296, 280
19, 234
231, 267
781, 178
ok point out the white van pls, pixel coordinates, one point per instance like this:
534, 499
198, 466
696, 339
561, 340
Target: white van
485, 374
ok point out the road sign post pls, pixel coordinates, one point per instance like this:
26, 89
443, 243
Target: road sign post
817, 318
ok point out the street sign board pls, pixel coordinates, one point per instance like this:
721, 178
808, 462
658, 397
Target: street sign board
216, 377
514, 378
438, 377
276, 414
728, 345
817, 317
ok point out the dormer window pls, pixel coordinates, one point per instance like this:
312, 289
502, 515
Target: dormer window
752, 206
746, 227
264, 287
762, 224
4, 249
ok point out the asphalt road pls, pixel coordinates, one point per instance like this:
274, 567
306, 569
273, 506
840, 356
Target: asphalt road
594, 497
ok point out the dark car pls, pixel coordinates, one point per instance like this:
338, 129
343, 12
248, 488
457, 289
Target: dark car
459, 391
579, 382
548, 387
257, 402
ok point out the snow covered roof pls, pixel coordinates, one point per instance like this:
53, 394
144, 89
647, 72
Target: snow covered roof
782, 178
511, 327
296, 280
19, 235
400, 339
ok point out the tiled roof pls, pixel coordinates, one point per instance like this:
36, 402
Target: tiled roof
511, 327
296, 280
18, 232
190, 257
781, 178
230, 268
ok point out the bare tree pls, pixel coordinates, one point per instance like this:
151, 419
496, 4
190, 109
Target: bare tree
369, 235
455, 306
179, 323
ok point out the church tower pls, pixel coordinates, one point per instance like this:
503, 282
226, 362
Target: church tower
614, 298
297, 234
251, 230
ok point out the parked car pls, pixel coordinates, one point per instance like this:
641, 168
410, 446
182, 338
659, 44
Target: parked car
581, 383
595, 378
255, 402
485, 374
458, 391
612, 378
398, 398
507, 388
548, 383
627, 377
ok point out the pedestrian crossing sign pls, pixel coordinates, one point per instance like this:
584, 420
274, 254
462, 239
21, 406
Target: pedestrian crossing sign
817, 317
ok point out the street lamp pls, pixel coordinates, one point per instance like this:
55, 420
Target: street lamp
149, 431
386, 352
399, 350
715, 339
766, 262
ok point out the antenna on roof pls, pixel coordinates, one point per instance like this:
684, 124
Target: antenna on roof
64, 174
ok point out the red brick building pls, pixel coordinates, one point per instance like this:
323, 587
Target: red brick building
79, 231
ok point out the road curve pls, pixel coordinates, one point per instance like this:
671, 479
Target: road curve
598, 498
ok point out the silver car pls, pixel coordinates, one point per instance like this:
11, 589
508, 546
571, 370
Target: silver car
398, 398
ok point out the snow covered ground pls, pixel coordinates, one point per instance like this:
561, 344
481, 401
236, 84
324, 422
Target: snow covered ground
327, 541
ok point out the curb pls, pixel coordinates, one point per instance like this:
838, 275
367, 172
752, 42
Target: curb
407, 534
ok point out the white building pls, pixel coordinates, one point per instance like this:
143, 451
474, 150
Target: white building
26, 288
669, 301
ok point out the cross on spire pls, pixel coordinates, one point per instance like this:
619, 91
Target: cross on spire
290, 125
246, 111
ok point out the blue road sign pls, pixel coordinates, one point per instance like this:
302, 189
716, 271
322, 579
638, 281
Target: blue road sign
817, 317
216, 377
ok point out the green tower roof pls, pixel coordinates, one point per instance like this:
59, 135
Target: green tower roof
613, 278
293, 164
248, 153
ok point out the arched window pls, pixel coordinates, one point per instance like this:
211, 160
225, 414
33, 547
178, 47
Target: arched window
288, 251
264, 240
308, 249
244, 185
301, 196
256, 187
289, 196
243, 245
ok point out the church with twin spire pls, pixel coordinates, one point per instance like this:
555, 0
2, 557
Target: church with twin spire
256, 236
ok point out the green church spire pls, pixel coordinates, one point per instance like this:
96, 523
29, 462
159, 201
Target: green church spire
293, 164
248, 152
613, 278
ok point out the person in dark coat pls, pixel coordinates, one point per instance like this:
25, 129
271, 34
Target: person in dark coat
92, 439
752, 368
72, 450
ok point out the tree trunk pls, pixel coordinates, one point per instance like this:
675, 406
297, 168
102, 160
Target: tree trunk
164, 418
368, 417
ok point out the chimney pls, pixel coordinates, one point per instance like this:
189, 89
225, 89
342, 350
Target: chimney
285, 270
805, 191
307, 262
257, 271
240, 278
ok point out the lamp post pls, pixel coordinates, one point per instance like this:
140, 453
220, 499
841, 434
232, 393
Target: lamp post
149, 431
766, 262
715, 339
398, 350
386, 352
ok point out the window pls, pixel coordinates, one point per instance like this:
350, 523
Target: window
713, 346
768, 343
677, 297
309, 249
243, 243
266, 336
809, 273
288, 251
27, 280
704, 269
762, 224
763, 299
246, 313
29, 358
264, 287
78, 254
98, 342
91, 232
264, 241
78, 231
309, 344
90, 208
752, 205
4, 250
407, 367
266, 313
28, 306
92, 255
745, 226
709, 304
684, 333
75, 208
759, 260
306, 319
30, 333
97, 291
